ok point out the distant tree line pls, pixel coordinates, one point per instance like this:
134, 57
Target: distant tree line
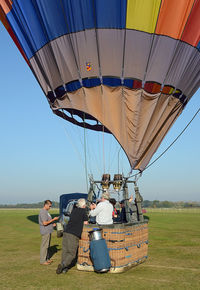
40, 204
146, 204
170, 204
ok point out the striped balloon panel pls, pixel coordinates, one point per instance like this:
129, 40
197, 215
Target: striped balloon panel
86, 54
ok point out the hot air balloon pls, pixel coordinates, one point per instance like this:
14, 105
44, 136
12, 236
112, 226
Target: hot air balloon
136, 59
130, 66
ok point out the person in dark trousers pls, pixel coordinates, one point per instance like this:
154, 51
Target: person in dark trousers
71, 236
123, 212
115, 213
46, 228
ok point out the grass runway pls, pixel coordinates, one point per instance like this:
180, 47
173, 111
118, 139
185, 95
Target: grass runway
173, 259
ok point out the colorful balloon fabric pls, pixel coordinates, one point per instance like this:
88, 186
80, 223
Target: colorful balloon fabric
126, 67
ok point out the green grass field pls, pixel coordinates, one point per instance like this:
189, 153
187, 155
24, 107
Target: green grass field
173, 262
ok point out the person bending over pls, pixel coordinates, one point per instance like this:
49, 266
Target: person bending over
71, 235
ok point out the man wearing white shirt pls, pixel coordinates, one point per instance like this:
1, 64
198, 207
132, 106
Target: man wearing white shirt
103, 210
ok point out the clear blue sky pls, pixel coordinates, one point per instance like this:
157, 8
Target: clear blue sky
42, 156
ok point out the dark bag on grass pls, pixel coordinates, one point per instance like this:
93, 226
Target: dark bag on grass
99, 255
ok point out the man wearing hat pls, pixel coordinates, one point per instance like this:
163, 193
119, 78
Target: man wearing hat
103, 210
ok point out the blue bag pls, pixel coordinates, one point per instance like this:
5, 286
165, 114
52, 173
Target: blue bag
99, 255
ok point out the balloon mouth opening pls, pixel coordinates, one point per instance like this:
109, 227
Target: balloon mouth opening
81, 119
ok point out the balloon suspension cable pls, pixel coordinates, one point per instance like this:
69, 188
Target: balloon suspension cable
103, 153
136, 176
96, 184
99, 190
118, 158
140, 172
85, 154
73, 144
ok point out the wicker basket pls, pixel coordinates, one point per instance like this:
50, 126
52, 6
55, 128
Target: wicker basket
127, 245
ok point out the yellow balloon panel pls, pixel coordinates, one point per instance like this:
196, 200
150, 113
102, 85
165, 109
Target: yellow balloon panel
142, 14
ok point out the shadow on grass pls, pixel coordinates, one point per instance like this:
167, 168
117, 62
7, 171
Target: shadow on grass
52, 251
34, 218
146, 217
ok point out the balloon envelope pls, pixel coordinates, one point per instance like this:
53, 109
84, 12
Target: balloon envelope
126, 67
